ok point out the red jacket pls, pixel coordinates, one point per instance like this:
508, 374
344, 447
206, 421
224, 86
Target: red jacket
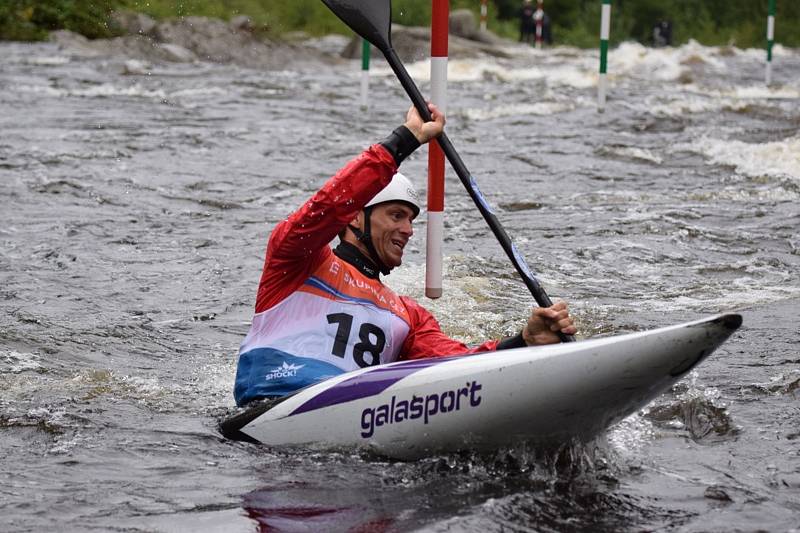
301, 242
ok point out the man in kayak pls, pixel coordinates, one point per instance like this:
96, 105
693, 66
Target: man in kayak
321, 312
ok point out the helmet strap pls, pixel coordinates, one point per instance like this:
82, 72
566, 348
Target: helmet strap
365, 237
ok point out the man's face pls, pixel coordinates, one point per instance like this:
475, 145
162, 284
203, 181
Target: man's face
391, 228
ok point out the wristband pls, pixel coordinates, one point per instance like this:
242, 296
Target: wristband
400, 144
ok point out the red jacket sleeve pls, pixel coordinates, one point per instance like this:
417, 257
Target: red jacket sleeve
426, 339
299, 243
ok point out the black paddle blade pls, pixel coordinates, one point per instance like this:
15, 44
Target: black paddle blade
371, 19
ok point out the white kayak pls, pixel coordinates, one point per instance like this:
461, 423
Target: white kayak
540, 395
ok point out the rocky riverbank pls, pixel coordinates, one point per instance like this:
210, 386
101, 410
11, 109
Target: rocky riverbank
199, 39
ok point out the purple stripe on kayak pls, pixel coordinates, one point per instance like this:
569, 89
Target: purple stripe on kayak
366, 384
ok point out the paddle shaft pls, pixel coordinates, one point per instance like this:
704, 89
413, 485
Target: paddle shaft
472, 188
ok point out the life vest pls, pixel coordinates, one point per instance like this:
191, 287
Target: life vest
338, 320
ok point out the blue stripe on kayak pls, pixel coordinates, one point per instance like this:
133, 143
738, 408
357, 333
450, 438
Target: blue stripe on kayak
366, 384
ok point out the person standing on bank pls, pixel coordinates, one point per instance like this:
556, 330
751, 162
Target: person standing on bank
527, 24
321, 312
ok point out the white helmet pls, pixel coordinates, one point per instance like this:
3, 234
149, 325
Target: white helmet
400, 189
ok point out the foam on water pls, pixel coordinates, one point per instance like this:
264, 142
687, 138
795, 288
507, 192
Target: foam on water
743, 193
741, 293
15, 362
782, 384
635, 60
697, 100
629, 60
759, 54
515, 110
779, 159
213, 383
631, 435
462, 71
109, 90
469, 309
579, 78
101, 90
680, 106
633, 152
745, 93
203, 92
45, 61
664, 64
757, 92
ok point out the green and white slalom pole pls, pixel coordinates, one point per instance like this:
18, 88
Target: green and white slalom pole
365, 48
770, 38
605, 30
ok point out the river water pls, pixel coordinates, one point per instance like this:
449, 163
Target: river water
135, 211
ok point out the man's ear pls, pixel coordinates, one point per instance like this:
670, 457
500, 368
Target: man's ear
358, 221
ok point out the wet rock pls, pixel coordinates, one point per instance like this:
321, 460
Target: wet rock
463, 23
132, 23
329, 44
209, 39
76, 43
716, 492
242, 23
413, 43
190, 39
177, 53
135, 67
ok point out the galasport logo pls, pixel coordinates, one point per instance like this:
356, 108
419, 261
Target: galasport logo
283, 371
424, 407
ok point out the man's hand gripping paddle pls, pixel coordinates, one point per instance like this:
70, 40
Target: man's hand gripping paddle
372, 20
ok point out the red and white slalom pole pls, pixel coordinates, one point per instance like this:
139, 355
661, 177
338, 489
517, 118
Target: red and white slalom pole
484, 13
439, 36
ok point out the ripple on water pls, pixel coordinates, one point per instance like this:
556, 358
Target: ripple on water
784, 384
583, 474
679, 200
698, 414
14, 362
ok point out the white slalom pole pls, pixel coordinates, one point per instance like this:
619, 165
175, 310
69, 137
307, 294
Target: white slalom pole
605, 30
365, 49
433, 256
770, 38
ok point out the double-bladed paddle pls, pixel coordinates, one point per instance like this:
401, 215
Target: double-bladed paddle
372, 20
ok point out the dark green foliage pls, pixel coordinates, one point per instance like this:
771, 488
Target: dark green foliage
32, 19
575, 22
713, 22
